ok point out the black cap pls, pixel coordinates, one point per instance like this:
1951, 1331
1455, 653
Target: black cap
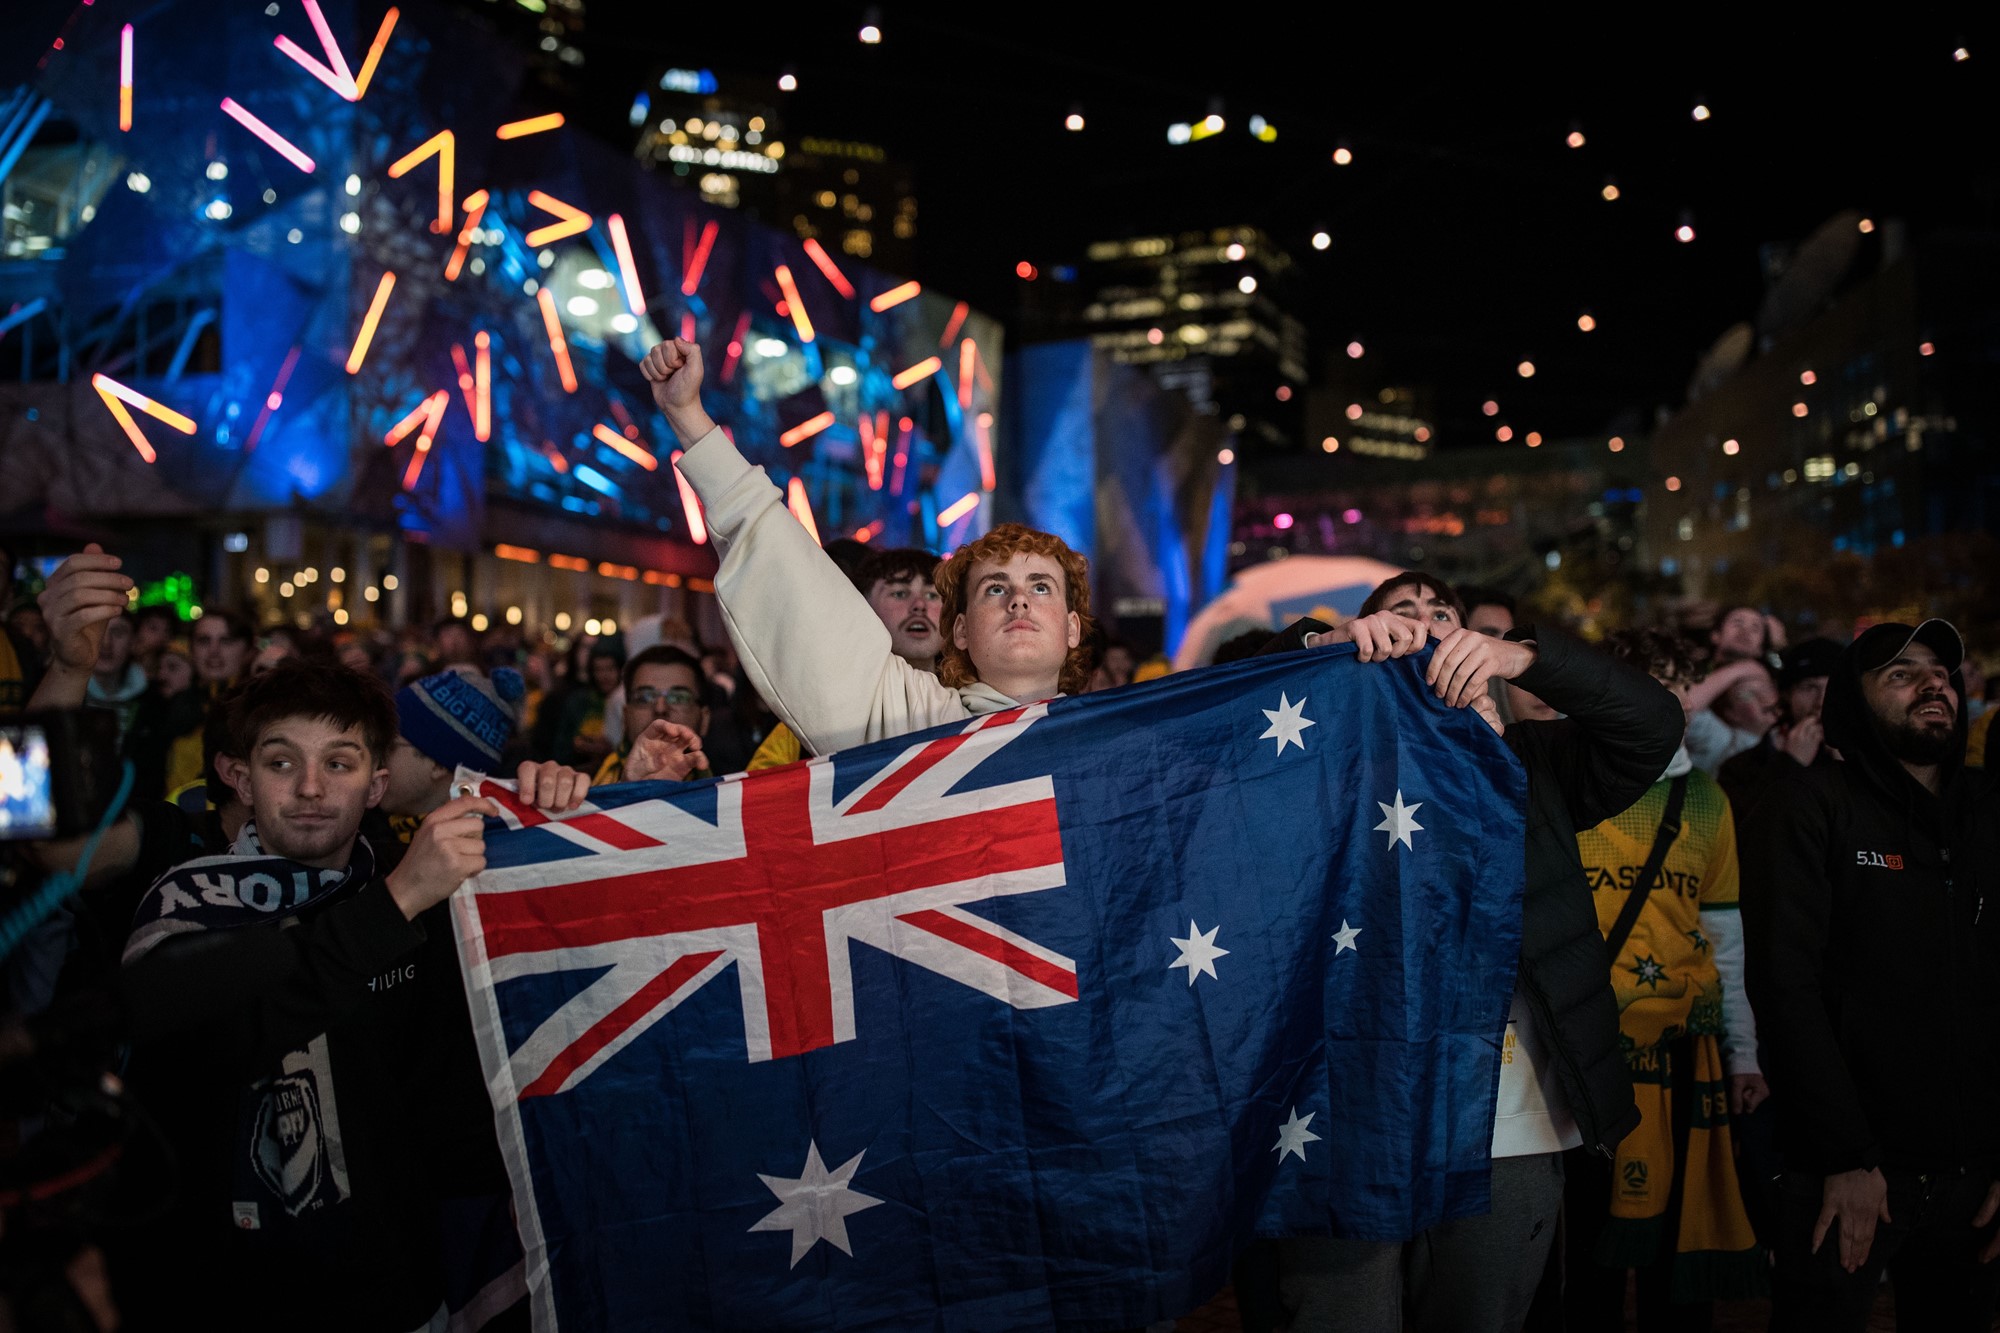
1879, 645
1807, 659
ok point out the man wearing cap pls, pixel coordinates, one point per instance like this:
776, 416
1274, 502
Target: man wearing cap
1800, 736
1874, 972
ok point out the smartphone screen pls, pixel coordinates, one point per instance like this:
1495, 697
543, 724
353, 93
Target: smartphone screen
27, 794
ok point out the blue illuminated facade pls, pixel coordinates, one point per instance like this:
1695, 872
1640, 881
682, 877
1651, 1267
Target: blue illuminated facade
190, 261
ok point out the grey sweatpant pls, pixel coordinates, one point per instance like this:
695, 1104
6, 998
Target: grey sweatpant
1473, 1275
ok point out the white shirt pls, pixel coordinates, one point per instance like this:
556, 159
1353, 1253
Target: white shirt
1531, 1115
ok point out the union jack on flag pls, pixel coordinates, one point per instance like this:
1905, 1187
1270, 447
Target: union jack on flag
1028, 1021
779, 883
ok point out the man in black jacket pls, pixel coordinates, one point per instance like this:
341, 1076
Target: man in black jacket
1563, 1080
301, 1036
1873, 970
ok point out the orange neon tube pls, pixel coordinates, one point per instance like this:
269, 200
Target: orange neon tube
444, 146
375, 50
624, 446
817, 253
621, 245
794, 305
574, 220
895, 296
369, 321
125, 77
690, 503
558, 345
482, 379
806, 429
516, 129
923, 370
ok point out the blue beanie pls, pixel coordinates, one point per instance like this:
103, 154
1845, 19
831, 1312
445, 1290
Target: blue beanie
456, 718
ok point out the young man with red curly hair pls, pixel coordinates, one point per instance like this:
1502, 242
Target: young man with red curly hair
1016, 603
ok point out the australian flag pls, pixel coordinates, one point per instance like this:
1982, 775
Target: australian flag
1030, 1021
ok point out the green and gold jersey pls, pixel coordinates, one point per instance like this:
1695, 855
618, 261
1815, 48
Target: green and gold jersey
1665, 976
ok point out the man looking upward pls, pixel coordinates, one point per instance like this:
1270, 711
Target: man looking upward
1015, 604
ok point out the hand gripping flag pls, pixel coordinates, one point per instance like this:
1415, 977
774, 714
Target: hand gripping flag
1026, 1022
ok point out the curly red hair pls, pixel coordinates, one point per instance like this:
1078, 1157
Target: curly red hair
1001, 545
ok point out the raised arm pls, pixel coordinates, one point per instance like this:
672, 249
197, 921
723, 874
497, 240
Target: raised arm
84, 595
808, 641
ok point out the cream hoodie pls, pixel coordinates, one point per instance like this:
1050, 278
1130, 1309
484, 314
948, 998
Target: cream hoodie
809, 642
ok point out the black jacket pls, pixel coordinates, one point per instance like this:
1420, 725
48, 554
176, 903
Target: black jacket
1619, 734
359, 1017
1871, 918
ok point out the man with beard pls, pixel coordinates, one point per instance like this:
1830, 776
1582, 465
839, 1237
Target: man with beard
897, 584
1873, 972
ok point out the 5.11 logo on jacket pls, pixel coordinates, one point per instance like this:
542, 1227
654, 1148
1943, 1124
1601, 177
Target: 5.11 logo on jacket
1880, 860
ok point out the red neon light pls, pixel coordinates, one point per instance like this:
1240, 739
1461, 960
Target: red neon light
687, 326
125, 77
554, 455
273, 401
574, 220
624, 446
923, 370
895, 296
801, 507
690, 503
112, 392
621, 245
444, 145
795, 307
428, 414
416, 467
960, 507
337, 77
902, 456
967, 350
869, 457
817, 253
558, 345
734, 352
805, 430
692, 279
375, 50
482, 379
516, 129
284, 147
983, 444
958, 314
370, 320
464, 369
475, 212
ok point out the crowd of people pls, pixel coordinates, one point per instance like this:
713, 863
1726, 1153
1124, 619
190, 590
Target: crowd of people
1747, 1052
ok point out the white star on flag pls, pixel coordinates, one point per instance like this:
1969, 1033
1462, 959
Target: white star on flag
1344, 937
1399, 821
1293, 1136
815, 1207
1198, 952
1288, 723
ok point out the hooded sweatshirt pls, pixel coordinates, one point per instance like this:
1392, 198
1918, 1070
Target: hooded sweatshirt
810, 644
1872, 923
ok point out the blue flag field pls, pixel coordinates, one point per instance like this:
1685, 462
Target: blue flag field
1030, 1021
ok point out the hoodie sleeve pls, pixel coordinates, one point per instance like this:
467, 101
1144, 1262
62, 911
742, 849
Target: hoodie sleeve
1785, 923
1619, 731
1722, 923
810, 644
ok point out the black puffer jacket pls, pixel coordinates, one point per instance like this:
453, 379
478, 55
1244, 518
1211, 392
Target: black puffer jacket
1871, 916
1619, 733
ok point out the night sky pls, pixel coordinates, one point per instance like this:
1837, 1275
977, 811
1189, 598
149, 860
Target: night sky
1467, 234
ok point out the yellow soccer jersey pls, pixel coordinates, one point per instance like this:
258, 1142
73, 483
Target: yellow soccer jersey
1665, 976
